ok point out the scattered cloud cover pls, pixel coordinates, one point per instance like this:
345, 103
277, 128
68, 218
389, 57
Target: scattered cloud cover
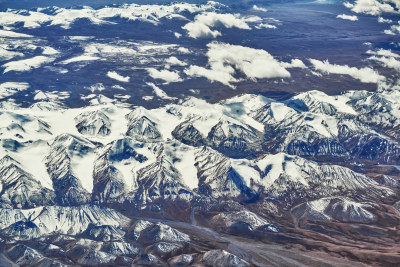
383, 52
183, 50
175, 61
389, 62
258, 8
295, 63
11, 34
10, 88
148, 97
265, 26
27, 64
374, 7
47, 50
394, 29
7, 54
365, 75
224, 60
64, 17
347, 17
114, 75
383, 20
202, 24
98, 87
386, 57
165, 75
80, 58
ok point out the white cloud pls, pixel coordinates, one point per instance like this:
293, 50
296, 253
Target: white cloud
389, 62
47, 50
114, 75
27, 64
348, 4
202, 24
148, 97
10, 88
394, 29
159, 92
183, 50
165, 75
119, 87
365, 75
384, 53
386, 57
389, 32
80, 58
175, 61
295, 63
257, 8
373, 7
265, 26
322, 1
177, 35
225, 59
383, 20
96, 87
194, 91
12, 34
198, 30
7, 54
217, 74
347, 17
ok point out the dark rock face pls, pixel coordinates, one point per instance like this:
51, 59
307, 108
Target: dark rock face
142, 128
20, 189
188, 134
93, 123
67, 186
235, 140
161, 179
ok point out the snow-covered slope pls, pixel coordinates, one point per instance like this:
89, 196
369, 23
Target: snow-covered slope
115, 154
69, 163
291, 178
56, 166
19, 188
335, 208
29, 224
314, 124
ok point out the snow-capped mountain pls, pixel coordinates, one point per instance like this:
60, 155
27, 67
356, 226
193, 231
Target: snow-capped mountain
93, 123
169, 153
247, 162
